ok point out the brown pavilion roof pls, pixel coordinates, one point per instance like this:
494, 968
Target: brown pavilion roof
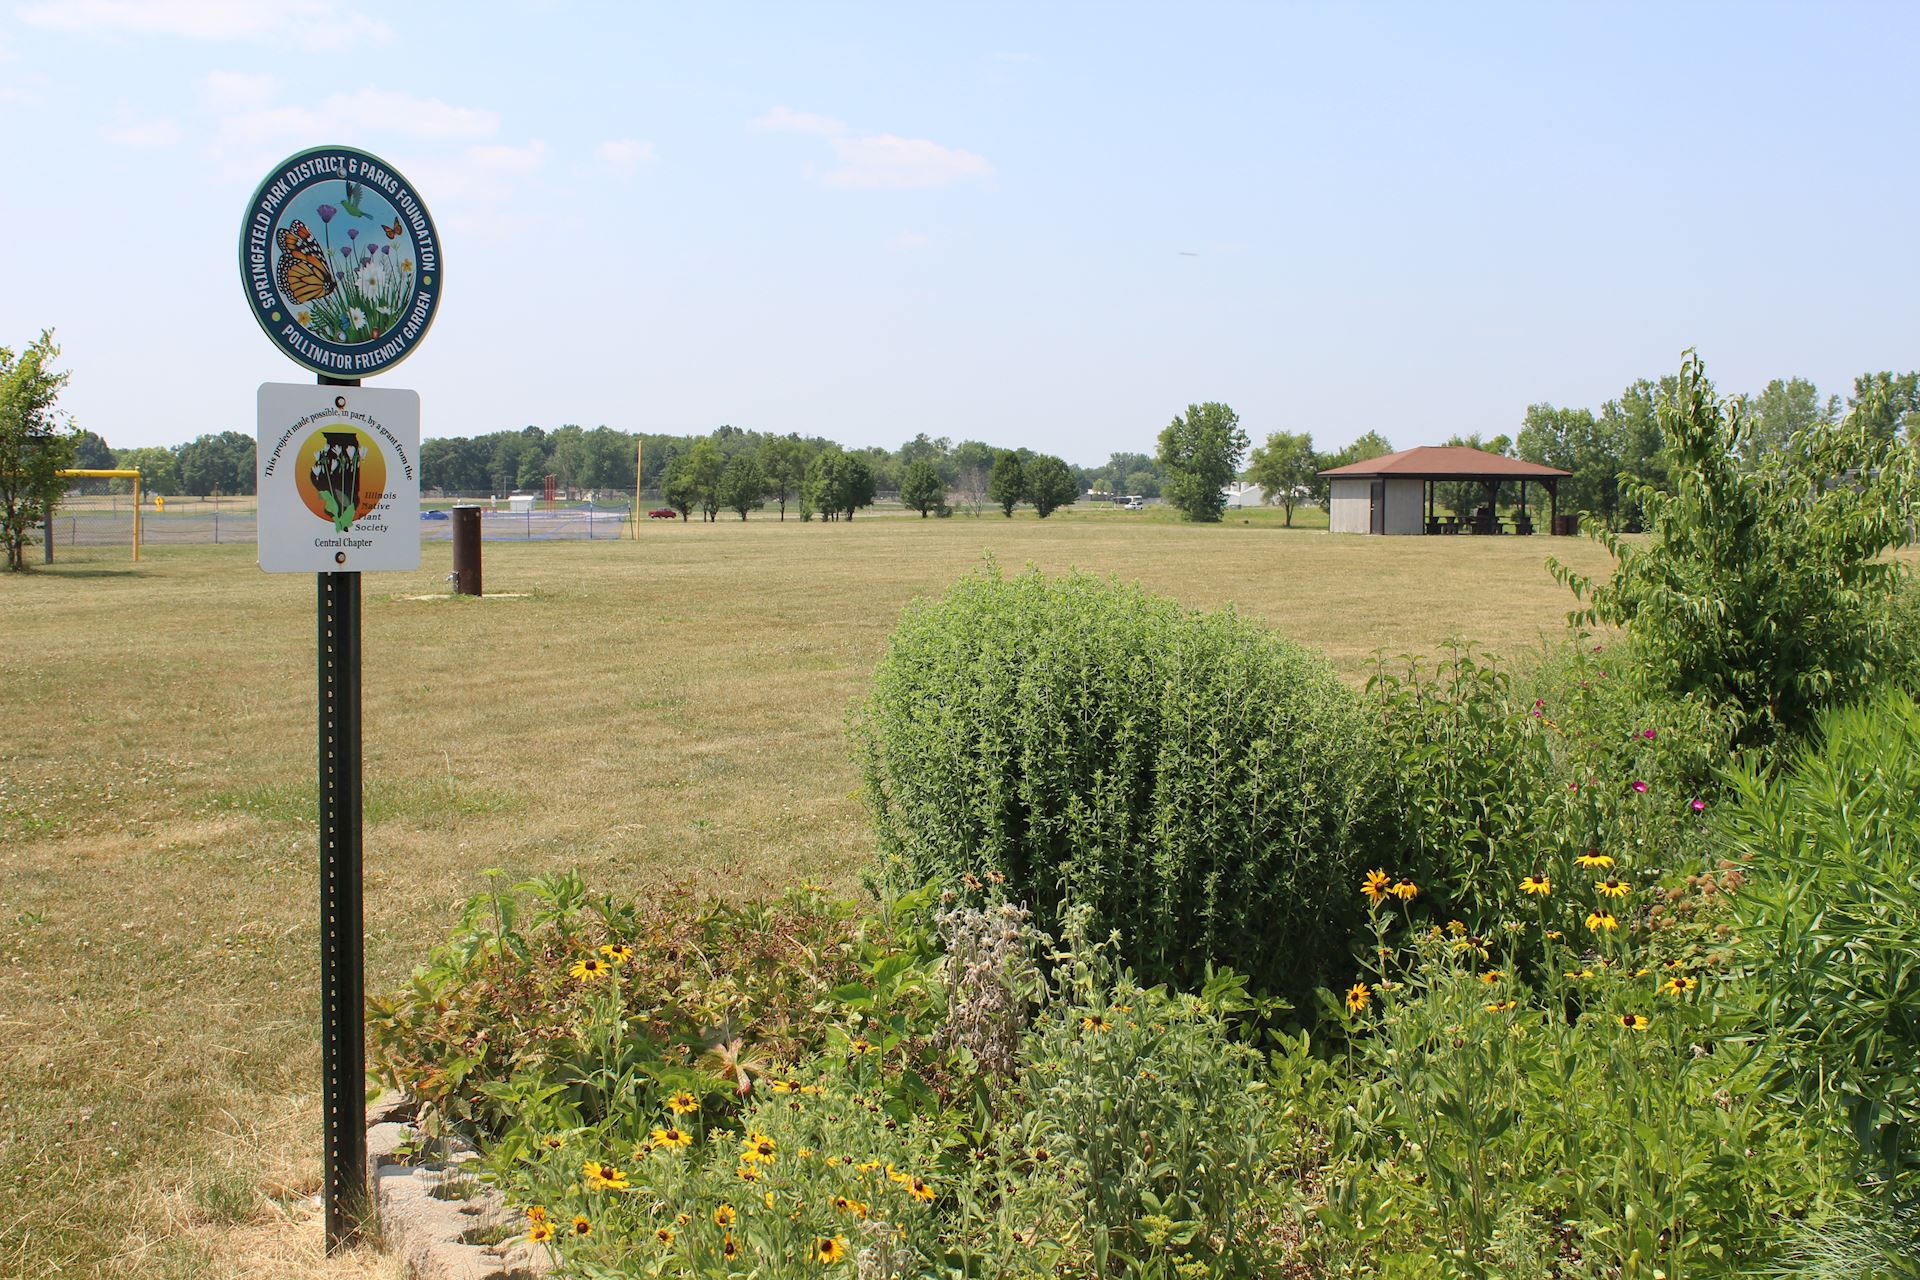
1447, 462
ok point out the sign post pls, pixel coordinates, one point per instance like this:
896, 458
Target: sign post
339, 493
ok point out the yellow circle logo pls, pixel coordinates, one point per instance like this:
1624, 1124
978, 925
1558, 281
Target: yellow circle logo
340, 475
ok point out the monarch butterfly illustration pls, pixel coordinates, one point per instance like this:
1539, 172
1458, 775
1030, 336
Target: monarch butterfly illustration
302, 272
393, 232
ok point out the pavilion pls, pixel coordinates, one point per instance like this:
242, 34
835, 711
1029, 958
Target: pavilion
1394, 493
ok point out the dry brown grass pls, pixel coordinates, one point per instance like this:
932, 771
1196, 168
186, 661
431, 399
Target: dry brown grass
652, 711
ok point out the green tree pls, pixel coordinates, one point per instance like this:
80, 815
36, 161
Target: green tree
455, 464
1461, 497
1145, 484
36, 440
838, 483
784, 463
677, 488
1285, 468
1199, 453
743, 486
1006, 483
1784, 410
1886, 404
1631, 432
91, 453
220, 463
972, 462
159, 474
1761, 588
1049, 484
1571, 440
1369, 445
704, 467
1117, 475
921, 488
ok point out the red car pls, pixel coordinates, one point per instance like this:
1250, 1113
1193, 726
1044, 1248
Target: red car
663, 513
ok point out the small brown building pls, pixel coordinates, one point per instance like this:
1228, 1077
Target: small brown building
1394, 493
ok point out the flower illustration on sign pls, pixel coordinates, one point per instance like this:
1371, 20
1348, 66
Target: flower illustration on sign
342, 475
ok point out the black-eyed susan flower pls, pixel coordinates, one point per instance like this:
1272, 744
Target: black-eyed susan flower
1601, 922
861, 1045
553, 1142
590, 968
1679, 985
767, 1199
617, 952
540, 1232
1578, 974
1405, 890
1554, 935
536, 1213
603, 1177
581, 1226
829, 1249
1634, 1021
919, 1188
663, 1235
1376, 886
1458, 928
1593, 858
1357, 997
671, 1138
724, 1216
1503, 1006
1095, 1022
729, 1247
786, 1086
868, 1166
1612, 888
1492, 976
748, 1173
683, 1103
1538, 886
758, 1149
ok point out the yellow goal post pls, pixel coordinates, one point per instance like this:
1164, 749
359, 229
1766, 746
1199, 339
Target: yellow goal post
96, 473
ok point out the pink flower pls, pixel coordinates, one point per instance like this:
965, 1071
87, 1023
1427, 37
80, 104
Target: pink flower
1640, 788
1649, 734
1698, 806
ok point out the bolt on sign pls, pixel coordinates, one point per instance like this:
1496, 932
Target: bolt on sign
339, 478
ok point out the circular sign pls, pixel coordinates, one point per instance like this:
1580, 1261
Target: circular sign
341, 262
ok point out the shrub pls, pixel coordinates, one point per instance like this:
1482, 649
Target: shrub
1194, 778
1831, 921
1762, 584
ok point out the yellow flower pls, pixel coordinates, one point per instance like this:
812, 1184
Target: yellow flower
664, 1235
829, 1249
1613, 888
1503, 1006
1555, 935
1357, 997
785, 1086
749, 1174
832, 1162
683, 1103
1492, 976
1375, 886
1599, 923
603, 1177
919, 1189
618, 953
553, 1142
1458, 928
536, 1213
406, 264
581, 1227
757, 1149
724, 1216
1405, 890
1593, 858
841, 1204
1678, 985
861, 1045
1577, 974
767, 1199
729, 1247
868, 1166
540, 1232
303, 318
1094, 1022
671, 1138
1634, 1021
682, 1219
589, 968
1538, 886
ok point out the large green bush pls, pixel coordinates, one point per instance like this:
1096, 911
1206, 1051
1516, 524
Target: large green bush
1194, 778
1831, 924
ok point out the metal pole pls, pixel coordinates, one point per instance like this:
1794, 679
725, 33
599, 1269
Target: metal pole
466, 551
46, 533
343, 1048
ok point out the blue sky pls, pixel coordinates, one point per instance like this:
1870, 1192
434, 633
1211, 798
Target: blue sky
865, 221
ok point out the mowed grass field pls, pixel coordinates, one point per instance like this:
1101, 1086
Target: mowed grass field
664, 710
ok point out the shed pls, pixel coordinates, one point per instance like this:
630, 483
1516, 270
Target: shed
1394, 493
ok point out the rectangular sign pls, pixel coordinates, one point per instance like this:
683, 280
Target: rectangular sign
339, 478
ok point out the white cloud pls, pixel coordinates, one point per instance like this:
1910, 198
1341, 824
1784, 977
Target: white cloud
624, 155
908, 241
402, 113
787, 120
879, 159
132, 128
315, 21
235, 90
885, 160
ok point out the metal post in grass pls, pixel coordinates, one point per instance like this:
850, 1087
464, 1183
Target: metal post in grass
466, 551
338, 484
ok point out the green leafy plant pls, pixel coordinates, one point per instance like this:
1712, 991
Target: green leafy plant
1193, 778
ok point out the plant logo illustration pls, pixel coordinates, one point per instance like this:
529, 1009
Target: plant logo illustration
340, 475
341, 261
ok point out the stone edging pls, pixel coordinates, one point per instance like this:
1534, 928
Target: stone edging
431, 1214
